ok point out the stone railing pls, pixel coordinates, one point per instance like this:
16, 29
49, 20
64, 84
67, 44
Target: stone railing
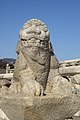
6, 76
70, 67
68, 63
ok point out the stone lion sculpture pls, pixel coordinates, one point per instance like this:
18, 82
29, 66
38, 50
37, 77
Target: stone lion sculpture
33, 59
35, 62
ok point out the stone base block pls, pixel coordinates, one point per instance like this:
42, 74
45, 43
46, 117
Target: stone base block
39, 108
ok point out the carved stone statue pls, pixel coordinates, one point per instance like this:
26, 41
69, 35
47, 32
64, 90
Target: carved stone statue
35, 62
33, 58
37, 73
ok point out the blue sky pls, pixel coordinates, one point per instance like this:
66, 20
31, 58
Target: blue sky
62, 18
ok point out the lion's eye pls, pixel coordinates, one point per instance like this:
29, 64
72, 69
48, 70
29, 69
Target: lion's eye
23, 39
43, 42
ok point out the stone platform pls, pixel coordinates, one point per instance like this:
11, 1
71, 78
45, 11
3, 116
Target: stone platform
39, 108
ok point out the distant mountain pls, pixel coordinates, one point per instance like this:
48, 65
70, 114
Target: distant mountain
5, 61
9, 60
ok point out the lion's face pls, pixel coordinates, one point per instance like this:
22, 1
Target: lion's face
34, 33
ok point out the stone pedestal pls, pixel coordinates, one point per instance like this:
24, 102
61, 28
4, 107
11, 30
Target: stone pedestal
39, 108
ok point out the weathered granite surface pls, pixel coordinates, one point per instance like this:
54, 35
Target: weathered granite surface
40, 108
38, 90
33, 60
35, 56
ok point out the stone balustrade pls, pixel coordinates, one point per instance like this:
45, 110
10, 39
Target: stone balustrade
70, 67
68, 63
6, 76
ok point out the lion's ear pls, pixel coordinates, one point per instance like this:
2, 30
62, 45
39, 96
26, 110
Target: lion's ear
50, 47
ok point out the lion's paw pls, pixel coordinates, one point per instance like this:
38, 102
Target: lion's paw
32, 88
